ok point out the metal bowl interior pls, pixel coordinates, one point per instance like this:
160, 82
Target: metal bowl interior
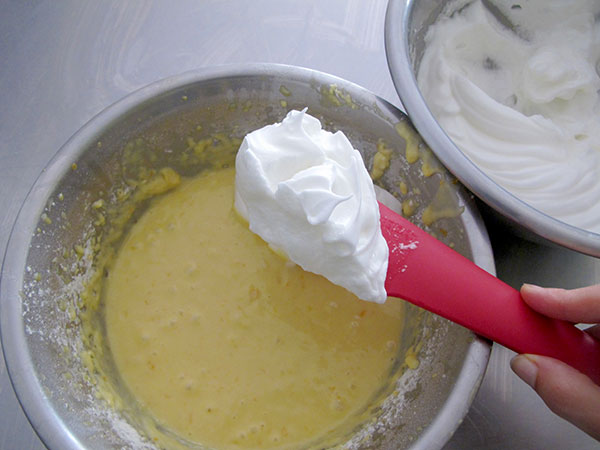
42, 278
406, 25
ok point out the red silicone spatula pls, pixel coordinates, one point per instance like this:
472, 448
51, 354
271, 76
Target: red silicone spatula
429, 274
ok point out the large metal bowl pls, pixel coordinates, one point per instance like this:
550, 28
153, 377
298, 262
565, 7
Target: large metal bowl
42, 278
406, 25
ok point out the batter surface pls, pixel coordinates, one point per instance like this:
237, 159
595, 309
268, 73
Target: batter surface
225, 343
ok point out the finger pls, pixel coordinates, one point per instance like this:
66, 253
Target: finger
566, 391
574, 305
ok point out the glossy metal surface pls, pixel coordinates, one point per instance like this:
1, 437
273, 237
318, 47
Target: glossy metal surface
405, 29
63, 62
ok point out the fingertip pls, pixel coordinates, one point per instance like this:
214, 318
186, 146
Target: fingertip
573, 305
539, 298
530, 287
526, 369
529, 291
566, 391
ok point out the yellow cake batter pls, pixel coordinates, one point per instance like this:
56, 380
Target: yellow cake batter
227, 344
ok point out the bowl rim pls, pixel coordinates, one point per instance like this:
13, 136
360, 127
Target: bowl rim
396, 36
47, 423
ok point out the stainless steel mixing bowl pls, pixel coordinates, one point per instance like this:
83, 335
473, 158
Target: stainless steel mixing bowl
47, 262
406, 25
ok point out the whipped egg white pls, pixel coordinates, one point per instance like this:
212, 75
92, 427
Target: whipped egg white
523, 103
307, 193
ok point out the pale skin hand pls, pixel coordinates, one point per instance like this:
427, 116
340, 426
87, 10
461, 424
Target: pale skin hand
566, 391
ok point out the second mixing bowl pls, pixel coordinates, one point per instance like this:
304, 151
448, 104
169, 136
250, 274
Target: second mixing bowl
407, 24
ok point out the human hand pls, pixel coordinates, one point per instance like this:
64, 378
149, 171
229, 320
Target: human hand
566, 391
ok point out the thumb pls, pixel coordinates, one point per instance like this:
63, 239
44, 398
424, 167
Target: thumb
566, 391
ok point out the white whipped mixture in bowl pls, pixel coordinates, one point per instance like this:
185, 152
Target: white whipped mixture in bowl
523, 103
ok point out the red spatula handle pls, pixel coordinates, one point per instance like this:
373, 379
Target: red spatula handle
427, 273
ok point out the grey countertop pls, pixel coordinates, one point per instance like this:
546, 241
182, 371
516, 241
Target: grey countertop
63, 62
